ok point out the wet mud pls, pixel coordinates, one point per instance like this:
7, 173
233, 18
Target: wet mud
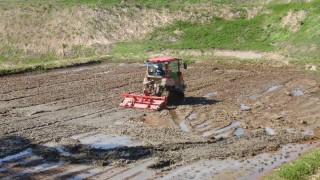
69, 121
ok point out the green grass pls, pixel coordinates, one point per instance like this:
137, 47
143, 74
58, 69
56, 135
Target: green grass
241, 34
133, 50
301, 168
262, 33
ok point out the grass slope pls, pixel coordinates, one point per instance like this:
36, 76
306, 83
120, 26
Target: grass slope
264, 32
35, 32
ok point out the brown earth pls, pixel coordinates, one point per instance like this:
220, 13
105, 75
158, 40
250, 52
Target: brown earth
270, 107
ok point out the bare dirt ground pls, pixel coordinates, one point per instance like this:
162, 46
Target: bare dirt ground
67, 123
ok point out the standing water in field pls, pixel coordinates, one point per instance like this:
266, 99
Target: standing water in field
222, 130
270, 89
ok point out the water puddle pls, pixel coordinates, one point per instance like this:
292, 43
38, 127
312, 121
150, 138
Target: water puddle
61, 149
222, 130
239, 132
270, 131
297, 92
224, 135
244, 107
35, 169
16, 156
270, 89
104, 141
254, 96
192, 116
181, 123
210, 94
184, 126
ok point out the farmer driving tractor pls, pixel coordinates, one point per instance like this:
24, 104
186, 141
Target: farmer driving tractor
159, 70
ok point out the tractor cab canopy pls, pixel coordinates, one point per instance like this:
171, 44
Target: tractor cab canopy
163, 59
163, 66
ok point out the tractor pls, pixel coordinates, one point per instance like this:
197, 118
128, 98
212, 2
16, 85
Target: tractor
163, 82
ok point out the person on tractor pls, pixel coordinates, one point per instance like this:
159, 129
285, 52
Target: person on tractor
159, 70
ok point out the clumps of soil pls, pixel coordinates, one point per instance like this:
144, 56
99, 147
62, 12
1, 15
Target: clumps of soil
130, 153
161, 164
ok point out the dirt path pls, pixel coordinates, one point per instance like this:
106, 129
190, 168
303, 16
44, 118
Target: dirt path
69, 121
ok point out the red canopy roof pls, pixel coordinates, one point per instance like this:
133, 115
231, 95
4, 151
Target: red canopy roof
163, 59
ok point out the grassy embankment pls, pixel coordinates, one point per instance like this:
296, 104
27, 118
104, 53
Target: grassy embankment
265, 32
43, 35
301, 168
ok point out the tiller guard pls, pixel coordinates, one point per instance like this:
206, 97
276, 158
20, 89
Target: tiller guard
143, 101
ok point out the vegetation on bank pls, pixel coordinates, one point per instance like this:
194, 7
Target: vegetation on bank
264, 32
300, 168
40, 33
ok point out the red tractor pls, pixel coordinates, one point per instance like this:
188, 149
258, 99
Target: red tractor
163, 81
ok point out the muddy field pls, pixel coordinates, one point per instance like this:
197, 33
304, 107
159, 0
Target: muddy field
235, 121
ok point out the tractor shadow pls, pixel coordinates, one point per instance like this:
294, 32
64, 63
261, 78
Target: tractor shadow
193, 101
198, 101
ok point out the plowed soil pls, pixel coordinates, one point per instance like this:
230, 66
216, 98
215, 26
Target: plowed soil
229, 112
